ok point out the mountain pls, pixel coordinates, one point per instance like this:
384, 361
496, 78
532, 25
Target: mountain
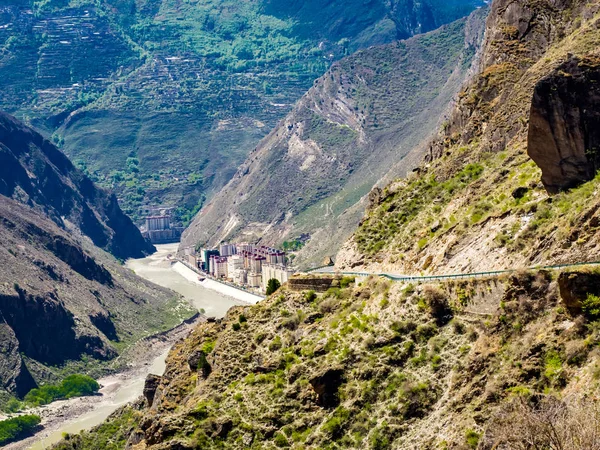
36, 173
63, 299
162, 100
367, 119
510, 180
499, 362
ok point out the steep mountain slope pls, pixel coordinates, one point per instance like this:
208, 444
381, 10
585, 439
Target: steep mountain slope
375, 366
33, 171
63, 299
501, 363
355, 126
187, 89
480, 203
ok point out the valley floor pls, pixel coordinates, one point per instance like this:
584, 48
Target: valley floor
81, 413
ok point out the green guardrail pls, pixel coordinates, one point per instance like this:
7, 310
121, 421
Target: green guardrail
419, 278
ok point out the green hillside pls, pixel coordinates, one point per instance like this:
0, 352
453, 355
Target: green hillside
186, 87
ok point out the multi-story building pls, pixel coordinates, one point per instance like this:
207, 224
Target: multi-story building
156, 223
205, 255
277, 272
254, 280
244, 247
220, 264
256, 264
227, 249
234, 263
275, 257
240, 276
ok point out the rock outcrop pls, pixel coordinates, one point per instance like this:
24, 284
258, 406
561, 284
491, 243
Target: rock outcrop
564, 124
14, 375
575, 288
150, 386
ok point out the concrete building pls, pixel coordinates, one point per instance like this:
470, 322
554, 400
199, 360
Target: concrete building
227, 249
244, 247
158, 223
234, 263
220, 264
240, 276
277, 272
192, 260
205, 255
254, 280
275, 257
256, 263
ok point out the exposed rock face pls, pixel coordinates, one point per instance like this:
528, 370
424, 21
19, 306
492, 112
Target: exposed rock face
308, 282
326, 387
14, 375
61, 297
35, 172
564, 124
575, 287
150, 386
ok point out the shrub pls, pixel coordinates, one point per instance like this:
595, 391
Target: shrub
334, 426
347, 281
17, 427
72, 386
310, 296
418, 399
243, 319
545, 423
236, 326
276, 344
472, 438
280, 440
591, 307
437, 302
272, 286
12, 406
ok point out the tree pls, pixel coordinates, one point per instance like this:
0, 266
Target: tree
272, 286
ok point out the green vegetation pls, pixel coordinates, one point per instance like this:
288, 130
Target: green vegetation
591, 307
17, 428
400, 209
110, 435
72, 386
472, 438
293, 246
272, 286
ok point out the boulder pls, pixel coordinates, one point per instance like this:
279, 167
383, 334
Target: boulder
564, 124
197, 362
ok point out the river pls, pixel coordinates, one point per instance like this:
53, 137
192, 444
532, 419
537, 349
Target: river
118, 391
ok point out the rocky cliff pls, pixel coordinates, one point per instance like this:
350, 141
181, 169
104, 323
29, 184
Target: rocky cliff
62, 298
377, 366
363, 121
564, 124
478, 202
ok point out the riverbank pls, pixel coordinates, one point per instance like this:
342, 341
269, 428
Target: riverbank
77, 414
222, 288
